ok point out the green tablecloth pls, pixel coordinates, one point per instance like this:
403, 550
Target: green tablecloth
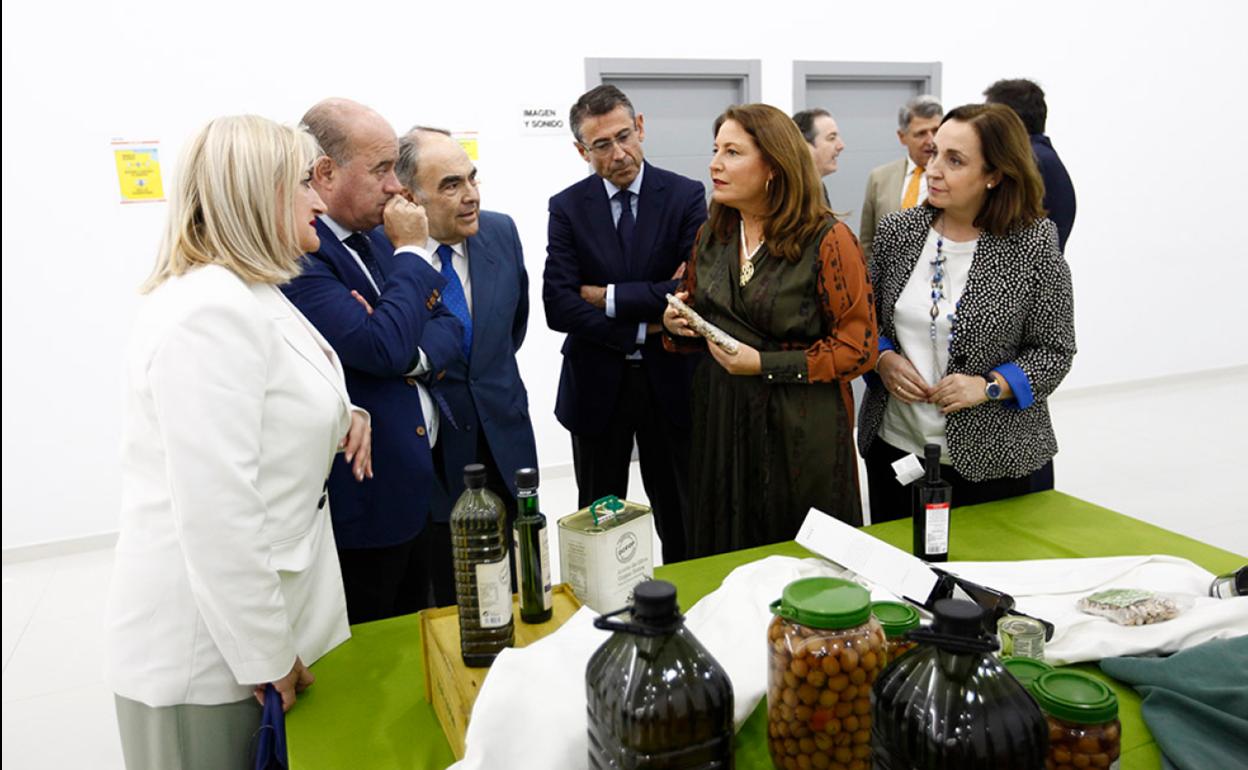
367, 708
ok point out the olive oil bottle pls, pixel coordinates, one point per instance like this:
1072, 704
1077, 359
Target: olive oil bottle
479, 546
532, 551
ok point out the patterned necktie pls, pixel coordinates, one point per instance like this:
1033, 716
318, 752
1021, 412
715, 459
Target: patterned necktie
627, 223
359, 242
453, 296
912, 192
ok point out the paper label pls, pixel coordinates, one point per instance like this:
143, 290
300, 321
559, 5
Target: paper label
494, 593
875, 560
1121, 597
908, 469
545, 550
936, 535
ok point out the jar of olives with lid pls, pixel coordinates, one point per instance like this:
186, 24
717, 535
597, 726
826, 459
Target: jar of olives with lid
825, 651
1082, 713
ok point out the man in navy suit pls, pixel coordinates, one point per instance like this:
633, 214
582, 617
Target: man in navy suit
617, 241
380, 308
479, 254
1027, 99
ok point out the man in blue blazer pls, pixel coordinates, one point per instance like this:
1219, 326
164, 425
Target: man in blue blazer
1027, 100
388, 347
487, 288
617, 241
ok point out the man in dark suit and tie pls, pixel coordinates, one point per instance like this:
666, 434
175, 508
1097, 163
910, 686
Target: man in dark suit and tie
617, 241
379, 305
1027, 99
487, 288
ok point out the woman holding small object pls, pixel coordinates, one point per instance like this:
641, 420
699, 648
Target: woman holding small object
226, 578
776, 271
976, 321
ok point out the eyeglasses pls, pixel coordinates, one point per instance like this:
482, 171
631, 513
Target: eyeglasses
604, 147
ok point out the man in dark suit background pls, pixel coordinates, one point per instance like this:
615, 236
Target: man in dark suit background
479, 254
617, 241
380, 308
1027, 99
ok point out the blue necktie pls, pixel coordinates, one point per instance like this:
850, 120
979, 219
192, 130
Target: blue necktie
359, 242
453, 296
627, 223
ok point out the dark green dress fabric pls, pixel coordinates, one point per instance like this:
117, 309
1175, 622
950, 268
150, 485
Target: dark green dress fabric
766, 448
1195, 701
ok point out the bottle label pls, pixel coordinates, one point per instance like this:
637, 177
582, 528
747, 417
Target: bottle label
544, 547
936, 533
494, 593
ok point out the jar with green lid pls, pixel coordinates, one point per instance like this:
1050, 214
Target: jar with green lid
825, 650
897, 619
1082, 713
1025, 670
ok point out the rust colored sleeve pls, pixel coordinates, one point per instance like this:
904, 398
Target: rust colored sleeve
848, 303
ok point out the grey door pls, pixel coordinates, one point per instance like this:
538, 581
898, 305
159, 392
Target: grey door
864, 97
680, 99
680, 114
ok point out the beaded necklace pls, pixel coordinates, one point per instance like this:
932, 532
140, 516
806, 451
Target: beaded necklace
938, 294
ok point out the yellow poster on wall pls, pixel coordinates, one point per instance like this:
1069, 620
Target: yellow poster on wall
138, 172
468, 140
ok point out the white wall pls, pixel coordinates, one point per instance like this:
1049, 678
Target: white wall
1146, 104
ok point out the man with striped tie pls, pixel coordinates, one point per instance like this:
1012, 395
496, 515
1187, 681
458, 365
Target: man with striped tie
487, 288
901, 184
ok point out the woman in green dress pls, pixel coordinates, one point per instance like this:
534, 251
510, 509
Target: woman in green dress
772, 267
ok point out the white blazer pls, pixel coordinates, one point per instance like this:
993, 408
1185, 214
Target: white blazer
225, 567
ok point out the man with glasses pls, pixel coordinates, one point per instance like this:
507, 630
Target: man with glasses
487, 288
617, 243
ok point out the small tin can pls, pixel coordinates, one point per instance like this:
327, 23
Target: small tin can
1021, 637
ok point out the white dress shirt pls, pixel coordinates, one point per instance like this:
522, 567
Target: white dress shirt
910, 426
616, 210
427, 407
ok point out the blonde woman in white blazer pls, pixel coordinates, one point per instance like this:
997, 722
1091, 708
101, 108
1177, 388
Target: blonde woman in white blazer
226, 575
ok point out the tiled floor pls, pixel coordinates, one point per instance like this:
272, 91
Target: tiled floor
1165, 452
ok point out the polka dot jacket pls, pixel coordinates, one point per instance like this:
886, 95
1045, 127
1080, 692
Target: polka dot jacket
1018, 307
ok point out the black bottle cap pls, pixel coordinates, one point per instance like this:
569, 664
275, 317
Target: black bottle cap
1241, 581
931, 453
654, 603
474, 476
958, 617
526, 478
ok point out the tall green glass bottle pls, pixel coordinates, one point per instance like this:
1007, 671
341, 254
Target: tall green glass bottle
532, 551
482, 571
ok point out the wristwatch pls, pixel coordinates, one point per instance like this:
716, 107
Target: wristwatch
992, 391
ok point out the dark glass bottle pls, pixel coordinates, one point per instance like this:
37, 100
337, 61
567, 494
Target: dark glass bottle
948, 704
532, 551
482, 572
657, 700
932, 498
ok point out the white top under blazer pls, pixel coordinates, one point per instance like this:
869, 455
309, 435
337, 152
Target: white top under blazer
226, 567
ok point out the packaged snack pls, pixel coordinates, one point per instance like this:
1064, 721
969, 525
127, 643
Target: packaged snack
1130, 606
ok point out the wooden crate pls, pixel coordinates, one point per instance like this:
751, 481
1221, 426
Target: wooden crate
451, 686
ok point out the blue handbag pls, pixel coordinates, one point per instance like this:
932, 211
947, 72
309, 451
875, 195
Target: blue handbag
271, 738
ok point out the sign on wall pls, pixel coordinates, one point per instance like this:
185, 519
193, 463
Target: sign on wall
138, 171
543, 121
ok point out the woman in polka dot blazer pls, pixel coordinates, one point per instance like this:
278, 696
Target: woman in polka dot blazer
976, 319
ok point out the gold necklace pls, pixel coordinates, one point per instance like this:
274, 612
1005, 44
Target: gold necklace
747, 268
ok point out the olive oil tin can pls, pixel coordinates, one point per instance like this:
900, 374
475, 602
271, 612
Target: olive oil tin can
605, 550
